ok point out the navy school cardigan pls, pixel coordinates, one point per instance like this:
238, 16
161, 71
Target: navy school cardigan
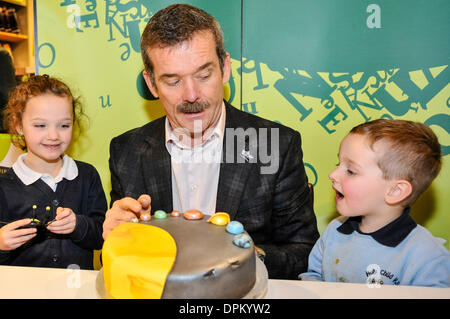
84, 195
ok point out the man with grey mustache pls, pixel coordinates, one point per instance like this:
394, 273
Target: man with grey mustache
205, 154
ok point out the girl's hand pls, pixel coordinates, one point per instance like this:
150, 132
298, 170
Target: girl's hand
65, 221
11, 237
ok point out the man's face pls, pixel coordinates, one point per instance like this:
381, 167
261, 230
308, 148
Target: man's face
189, 81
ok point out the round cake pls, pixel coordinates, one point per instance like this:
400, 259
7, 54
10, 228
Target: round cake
208, 261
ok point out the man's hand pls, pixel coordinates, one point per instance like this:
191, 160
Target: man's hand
124, 210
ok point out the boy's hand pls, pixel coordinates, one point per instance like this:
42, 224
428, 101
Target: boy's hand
65, 221
11, 237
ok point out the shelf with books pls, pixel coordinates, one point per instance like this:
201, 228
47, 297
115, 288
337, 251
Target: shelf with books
12, 37
21, 3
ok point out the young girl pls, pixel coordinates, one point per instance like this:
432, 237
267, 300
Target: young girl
62, 196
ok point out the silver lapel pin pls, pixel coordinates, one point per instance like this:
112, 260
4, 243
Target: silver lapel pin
246, 155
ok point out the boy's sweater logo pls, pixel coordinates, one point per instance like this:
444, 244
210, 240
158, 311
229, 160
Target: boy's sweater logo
377, 276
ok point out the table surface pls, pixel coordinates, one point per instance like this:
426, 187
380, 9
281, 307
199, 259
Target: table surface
50, 283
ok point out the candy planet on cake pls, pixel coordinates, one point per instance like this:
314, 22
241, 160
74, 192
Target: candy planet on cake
182, 255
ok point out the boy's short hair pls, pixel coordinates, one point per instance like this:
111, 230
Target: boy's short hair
411, 152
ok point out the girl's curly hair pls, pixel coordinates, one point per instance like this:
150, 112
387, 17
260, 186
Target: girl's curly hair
35, 86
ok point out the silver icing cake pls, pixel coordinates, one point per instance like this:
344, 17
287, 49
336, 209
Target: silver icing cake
208, 264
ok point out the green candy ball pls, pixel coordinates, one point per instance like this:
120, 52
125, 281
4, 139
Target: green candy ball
160, 214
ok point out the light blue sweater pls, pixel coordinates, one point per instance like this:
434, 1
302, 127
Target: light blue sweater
418, 259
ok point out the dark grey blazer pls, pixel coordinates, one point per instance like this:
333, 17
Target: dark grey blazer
275, 209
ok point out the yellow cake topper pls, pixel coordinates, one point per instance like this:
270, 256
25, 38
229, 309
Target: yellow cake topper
137, 259
220, 219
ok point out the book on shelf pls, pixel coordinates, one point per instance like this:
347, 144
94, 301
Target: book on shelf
8, 20
2, 20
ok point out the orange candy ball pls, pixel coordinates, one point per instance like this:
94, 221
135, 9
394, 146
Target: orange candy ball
145, 217
193, 214
175, 213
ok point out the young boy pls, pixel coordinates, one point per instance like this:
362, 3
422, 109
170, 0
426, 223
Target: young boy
384, 166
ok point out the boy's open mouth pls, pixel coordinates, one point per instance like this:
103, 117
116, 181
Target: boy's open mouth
339, 195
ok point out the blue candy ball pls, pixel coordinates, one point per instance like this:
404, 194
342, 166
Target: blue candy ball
242, 240
235, 227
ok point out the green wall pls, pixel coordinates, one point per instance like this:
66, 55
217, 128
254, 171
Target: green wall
320, 67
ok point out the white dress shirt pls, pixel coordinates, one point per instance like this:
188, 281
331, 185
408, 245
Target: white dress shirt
69, 170
195, 170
